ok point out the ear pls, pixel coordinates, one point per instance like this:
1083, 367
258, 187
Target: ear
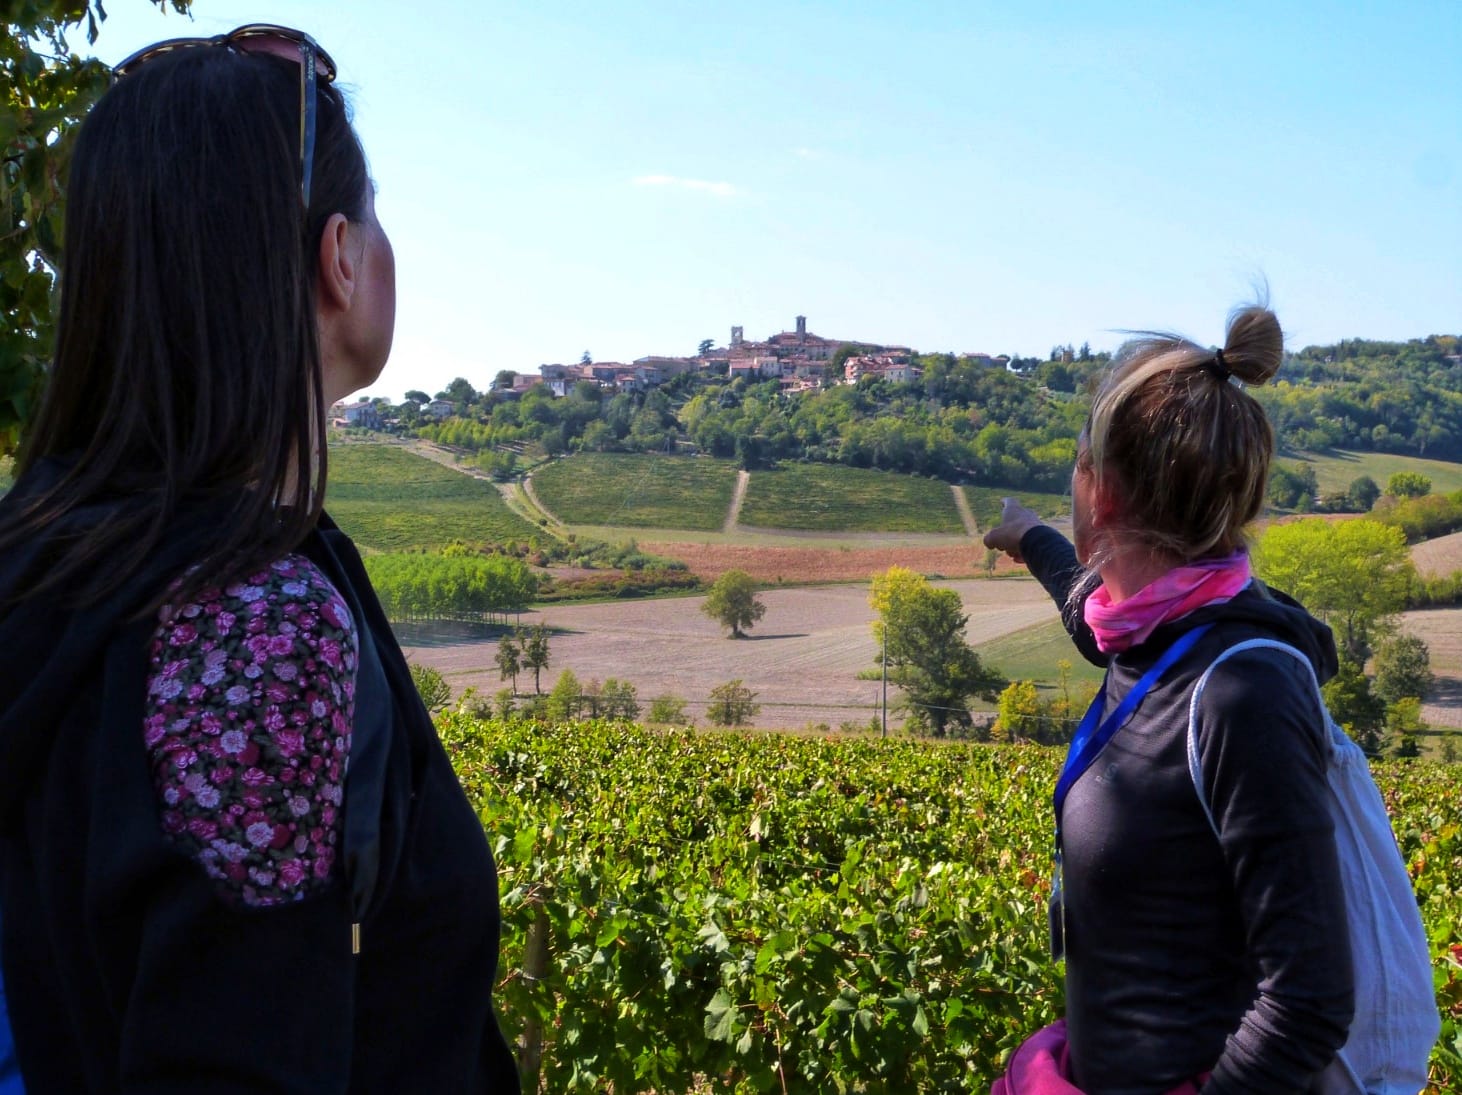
335, 286
1108, 502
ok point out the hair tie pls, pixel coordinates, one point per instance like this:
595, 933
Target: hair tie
1218, 368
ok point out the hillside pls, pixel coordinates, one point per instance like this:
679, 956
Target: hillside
626, 490
1336, 469
388, 499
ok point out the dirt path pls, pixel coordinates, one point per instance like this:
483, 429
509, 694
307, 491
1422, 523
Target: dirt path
533, 498
733, 511
448, 459
966, 514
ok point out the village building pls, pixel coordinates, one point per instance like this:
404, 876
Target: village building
798, 358
360, 415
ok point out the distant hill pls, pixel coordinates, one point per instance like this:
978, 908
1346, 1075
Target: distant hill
969, 419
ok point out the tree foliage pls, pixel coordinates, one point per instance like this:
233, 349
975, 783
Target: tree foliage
732, 601
1354, 575
1293, 487
1025, 716
535, 653
431, 686
1408, 484
46, 88
920, 631
1403, 669
961, 419
1362, 493
1403, 724
1355, 707
1421, 518
450, 585
668, 710
565, 700
732, 704
614, 699
509, 658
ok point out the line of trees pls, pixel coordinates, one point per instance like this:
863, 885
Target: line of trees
415, 587
960, 420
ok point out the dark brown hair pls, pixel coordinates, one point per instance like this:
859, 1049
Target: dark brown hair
1186, 450
187, 369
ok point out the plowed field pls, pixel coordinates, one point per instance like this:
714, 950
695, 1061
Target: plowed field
1440, 557
853, 558
802, 658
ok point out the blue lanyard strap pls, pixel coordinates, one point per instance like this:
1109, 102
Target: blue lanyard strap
1094, 733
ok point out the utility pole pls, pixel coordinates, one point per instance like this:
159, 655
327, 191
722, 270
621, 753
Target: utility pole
884, 659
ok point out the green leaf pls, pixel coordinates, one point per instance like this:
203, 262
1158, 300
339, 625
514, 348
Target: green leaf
720, 1022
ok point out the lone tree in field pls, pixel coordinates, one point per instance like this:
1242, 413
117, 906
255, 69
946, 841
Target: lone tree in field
509, 660
732, 704
920, 630
534, 654
732, 601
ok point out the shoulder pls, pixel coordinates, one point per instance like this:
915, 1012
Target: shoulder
1258, 672
1260, 712
250, 698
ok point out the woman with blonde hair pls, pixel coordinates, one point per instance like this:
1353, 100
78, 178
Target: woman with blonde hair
1189, 960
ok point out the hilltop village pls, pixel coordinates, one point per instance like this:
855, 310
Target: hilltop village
798, 360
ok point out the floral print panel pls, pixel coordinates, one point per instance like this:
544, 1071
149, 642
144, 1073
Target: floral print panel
250, 697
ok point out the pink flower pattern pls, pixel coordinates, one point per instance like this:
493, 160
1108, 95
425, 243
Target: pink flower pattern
250, 698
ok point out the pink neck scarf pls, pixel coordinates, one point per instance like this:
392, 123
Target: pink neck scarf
1176, 593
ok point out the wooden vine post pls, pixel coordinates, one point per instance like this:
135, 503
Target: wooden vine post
535, 970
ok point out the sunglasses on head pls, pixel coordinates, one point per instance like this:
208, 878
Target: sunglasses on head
292, 45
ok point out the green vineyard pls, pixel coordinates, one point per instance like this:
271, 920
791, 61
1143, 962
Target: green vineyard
766, 913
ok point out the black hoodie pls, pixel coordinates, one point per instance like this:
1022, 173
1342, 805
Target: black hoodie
1187, 953
126, 971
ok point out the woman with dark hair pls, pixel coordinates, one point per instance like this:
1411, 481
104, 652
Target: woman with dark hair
235, 856
1188, 955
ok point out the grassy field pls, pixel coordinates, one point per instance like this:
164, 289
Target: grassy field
637, 490
985, 502
1336, 470
1032, 654
837, 498
388, 499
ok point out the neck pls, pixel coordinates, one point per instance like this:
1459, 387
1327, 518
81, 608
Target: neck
1128, 573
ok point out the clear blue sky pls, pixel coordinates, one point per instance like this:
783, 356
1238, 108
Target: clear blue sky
630, 178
